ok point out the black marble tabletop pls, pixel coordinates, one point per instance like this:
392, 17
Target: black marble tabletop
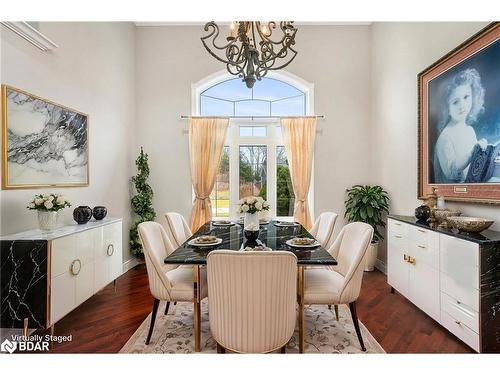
484, 237
232, 237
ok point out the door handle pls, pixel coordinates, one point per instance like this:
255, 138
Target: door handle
110, 246
75, 270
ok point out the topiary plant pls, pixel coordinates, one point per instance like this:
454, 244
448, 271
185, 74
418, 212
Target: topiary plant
367, 204
142, 202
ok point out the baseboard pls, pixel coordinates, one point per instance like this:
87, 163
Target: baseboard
381, 266
129, 264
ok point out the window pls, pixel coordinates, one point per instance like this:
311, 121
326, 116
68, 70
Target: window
254, 160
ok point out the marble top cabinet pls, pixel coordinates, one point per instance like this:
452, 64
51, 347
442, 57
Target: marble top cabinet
46, 274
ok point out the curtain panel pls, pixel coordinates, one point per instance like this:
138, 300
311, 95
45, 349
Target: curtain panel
206, 142
299, 134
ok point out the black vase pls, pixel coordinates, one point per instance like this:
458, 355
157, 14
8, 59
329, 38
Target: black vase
99, 212
422, 213
251, 235
82, 214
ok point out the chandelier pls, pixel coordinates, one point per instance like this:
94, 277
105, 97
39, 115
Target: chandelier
250, 50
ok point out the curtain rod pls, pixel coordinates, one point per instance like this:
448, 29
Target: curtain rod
251, 117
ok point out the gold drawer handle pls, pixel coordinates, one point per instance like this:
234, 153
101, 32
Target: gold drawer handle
397, 236
397, 224
112, 250
422, 246
458, 322
72, 267
422, 231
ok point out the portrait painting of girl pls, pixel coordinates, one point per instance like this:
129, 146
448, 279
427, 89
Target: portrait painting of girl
464, 123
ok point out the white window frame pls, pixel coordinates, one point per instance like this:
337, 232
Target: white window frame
233, 139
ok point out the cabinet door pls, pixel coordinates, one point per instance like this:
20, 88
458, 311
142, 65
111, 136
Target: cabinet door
62, 296
63, 252
84, 283
112, 243
424, 287
397, 267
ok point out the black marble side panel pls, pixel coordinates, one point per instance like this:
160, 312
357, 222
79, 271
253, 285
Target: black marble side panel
490, 298
23, 289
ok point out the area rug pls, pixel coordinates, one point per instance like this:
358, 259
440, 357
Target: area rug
173, 333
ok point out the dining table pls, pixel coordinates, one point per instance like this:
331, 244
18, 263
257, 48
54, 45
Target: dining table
273, 234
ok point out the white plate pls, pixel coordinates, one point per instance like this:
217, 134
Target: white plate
286, 224
193, 242
291, 244
219, 224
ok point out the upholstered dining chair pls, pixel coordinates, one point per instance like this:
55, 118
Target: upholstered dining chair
341, 284
322, 228
166, 282
177, 228
252, 299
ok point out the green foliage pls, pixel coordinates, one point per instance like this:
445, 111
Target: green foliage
284, 191
142, 202
367, 204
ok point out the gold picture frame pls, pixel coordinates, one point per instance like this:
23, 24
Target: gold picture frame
65, 131
433, 84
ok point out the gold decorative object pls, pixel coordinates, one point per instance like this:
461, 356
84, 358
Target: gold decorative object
469, 224
440, 214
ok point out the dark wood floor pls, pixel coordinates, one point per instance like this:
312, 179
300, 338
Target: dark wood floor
105, 322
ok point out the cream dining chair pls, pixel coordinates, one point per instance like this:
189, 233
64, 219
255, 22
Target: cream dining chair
166, 282
177, 228
322, 228
252, 299
341, 284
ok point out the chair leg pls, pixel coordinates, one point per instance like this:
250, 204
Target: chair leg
329, 307
283, 349
336, 312
220, 349
166, 308
156, 303
175, 303
352, 307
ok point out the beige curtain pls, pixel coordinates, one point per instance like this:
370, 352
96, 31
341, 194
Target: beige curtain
206, 142
299, 134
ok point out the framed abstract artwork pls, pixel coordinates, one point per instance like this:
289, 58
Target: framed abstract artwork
459, 122
43, 143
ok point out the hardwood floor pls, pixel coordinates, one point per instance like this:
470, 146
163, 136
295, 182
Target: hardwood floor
105, 322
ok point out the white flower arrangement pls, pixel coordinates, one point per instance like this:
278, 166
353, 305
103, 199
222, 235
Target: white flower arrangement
252, 205
48, 202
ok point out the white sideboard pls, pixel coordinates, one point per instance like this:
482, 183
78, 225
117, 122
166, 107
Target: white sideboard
74, 262
453, 277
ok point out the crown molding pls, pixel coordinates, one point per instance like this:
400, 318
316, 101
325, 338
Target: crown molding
198, 23
32, 35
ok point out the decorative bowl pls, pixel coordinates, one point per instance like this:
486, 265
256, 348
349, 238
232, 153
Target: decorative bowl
469, 224
441, 214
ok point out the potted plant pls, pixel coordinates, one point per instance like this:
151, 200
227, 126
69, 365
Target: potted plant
142, 202
47, 206
368, 203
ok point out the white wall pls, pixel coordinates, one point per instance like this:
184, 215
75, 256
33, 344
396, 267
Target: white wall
335, 58
92, 71
400, 51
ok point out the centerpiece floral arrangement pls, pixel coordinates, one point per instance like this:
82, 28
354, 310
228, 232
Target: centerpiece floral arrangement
47, 206
252, 205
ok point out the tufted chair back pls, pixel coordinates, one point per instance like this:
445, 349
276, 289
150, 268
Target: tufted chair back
156, 247
177, 228
252, 299
322, 228
349, 250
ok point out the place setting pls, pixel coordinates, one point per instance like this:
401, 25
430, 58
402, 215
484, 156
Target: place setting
303, 243
205, 241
